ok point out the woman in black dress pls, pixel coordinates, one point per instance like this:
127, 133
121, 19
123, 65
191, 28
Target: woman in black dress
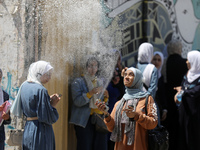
189, 109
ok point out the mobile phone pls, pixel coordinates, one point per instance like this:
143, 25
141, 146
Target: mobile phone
59, 95
131, 106
131, 119
106, 107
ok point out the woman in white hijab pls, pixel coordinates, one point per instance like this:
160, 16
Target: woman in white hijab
189, 109
160, 97
35, 103
149, 71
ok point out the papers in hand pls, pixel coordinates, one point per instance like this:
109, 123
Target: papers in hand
6, 108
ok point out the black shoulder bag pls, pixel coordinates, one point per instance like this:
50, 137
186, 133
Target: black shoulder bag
158, 138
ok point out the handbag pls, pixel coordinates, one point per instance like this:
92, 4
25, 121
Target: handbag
14, 137
158, 138
98, 121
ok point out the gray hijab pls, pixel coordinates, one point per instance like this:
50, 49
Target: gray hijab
134, 93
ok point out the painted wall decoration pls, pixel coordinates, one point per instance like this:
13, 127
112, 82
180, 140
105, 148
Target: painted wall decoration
157, 22
188, 22
11, 49
9, 88
7, 85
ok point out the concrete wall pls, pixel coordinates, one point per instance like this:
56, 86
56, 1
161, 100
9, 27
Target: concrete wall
55, 31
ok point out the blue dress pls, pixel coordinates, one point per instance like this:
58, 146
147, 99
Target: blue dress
154, 78
38, 134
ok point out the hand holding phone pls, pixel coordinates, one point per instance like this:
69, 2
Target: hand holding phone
54, 99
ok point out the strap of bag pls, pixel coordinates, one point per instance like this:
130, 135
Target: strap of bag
99, 116
146, 103
145, 86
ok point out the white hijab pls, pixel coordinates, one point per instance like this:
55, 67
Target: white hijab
194, 60
145, 52
162, 61
145, 55
36, 70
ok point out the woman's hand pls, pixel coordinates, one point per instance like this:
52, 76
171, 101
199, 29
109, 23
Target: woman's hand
130, 112
54, 99
2, 106
5, 116
101, 106
178, 88
96, 90
123, 71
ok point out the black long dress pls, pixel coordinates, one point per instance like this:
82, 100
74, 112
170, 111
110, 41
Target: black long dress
189, 116
176, 68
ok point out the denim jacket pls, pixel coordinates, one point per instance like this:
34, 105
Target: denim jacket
154, 79
80, 108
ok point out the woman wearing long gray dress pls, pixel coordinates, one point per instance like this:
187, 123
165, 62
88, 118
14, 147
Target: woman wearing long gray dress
38, 107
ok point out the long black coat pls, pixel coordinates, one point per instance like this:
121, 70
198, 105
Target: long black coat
189, 116
176, 68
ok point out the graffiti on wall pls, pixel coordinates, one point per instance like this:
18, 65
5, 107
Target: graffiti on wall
131, 21
11, 90
165, 20
10, 39
189, 27
7, 85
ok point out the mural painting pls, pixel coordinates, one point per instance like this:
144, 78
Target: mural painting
157, 22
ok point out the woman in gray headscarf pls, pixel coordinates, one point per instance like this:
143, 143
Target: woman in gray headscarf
129, 121
35, 103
